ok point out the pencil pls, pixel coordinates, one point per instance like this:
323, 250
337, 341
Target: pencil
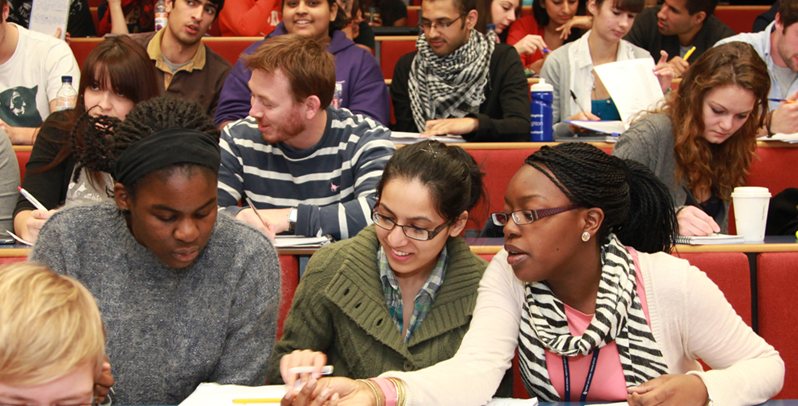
689, 53
582, 109
252, 206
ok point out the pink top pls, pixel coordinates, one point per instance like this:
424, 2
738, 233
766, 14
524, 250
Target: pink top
608, 383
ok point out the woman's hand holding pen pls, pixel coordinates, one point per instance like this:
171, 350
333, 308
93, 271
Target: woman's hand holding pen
664, 72
670, 390
531, 44
301, 359
34, 223
693, 221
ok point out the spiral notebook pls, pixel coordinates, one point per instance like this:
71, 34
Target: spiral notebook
710, 239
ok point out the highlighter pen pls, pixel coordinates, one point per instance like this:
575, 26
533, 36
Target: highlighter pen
546, 50
689, 53
777, 100
29, 197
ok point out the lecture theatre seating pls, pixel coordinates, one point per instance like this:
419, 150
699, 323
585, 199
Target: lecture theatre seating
777, 279
730, 271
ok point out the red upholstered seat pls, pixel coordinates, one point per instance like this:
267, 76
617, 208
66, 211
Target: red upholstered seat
289, 279
739, 18
23, 155
730, 271
777, 279
390, 49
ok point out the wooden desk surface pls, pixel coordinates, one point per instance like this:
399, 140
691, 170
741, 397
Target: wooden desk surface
488, 246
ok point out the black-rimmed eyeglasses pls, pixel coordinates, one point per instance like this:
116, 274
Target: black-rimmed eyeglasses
522, 217
412, 232
442, 24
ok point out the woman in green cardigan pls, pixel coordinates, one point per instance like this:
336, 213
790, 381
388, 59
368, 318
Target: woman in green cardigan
400, 294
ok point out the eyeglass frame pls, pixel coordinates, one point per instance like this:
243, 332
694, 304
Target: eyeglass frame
537, 214
439, 25
430, 233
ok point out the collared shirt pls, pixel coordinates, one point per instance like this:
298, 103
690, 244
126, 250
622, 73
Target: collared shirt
156, 54
761, 43
424, 298
569, 68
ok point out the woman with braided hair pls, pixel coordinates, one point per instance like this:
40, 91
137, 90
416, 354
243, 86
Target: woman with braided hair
702, 142
67, 164
186, 296
592, 318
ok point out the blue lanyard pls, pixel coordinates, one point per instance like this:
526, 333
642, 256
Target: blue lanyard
588, 379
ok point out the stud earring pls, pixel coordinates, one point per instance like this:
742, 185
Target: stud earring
585, 236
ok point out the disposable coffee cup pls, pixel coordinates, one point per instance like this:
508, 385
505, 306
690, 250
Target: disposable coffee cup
751, 211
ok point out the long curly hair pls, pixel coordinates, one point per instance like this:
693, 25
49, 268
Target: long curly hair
717, 168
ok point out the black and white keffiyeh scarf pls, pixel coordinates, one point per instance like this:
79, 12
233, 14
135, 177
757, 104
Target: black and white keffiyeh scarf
619, 316
451, 86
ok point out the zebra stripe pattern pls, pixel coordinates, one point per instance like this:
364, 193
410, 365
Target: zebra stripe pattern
619, 316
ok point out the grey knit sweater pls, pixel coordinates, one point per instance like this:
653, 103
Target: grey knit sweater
169, 330
651, 142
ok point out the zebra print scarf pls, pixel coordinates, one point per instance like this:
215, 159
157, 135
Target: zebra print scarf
619, 316
451, 86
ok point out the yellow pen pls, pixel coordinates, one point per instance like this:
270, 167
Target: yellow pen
689, 53
255, 400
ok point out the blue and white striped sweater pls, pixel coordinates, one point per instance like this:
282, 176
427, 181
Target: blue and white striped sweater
333, 184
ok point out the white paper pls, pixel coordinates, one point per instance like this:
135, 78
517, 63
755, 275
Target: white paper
513, 402
632, 86
604, 127
790, 138
47, 16
713, 239
213, 394
401, 137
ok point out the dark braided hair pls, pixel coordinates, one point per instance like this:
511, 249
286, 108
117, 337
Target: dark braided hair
91, 140
159, 113
451, 175
637, 206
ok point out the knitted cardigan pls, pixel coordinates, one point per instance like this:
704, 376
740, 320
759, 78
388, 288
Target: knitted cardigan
339, 309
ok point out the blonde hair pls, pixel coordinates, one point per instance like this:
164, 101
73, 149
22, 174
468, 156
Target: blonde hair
49, 324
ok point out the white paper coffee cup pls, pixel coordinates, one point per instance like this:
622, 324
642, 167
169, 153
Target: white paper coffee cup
751, 211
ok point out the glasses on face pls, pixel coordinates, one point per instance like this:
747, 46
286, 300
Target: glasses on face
440, 24
412, 232
522, 217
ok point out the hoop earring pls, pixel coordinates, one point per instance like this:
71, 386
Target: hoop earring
585, 236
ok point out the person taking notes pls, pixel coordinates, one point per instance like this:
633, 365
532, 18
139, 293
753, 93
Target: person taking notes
701, 143
570, 67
